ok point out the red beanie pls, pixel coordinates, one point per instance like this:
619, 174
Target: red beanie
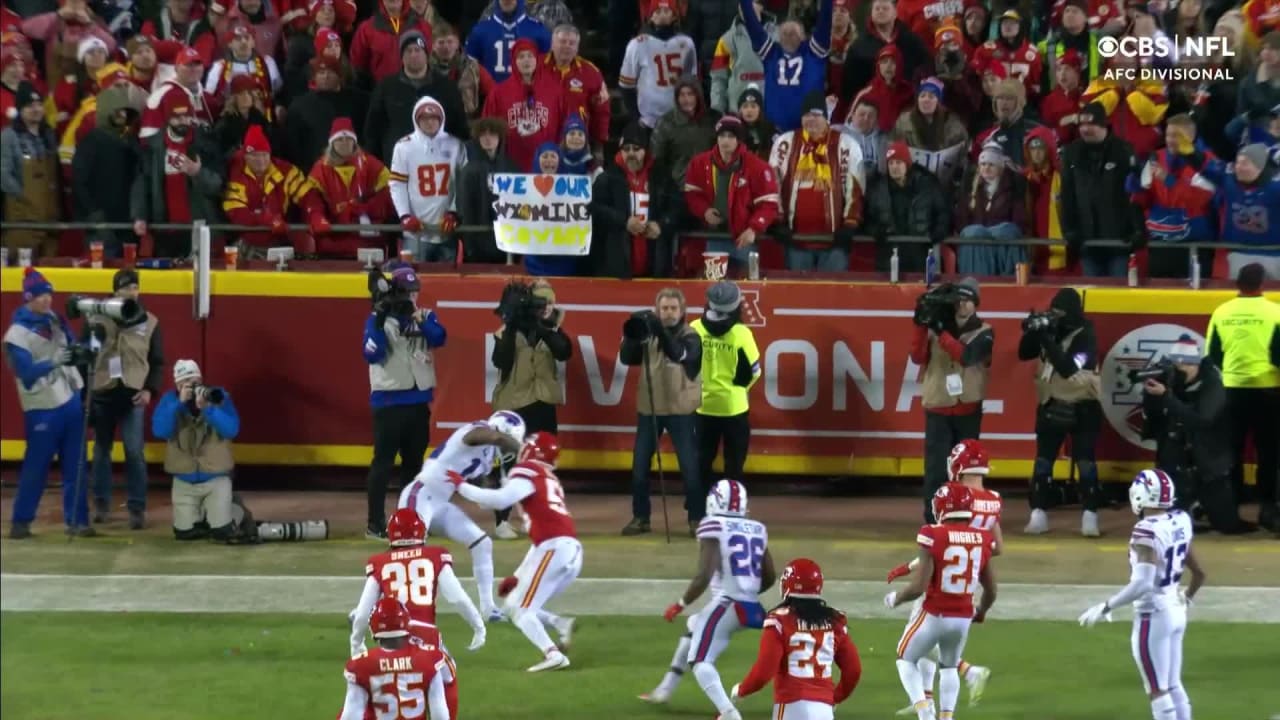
325, 37
256, 140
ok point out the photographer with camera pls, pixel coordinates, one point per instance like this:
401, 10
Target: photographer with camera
953, 346
198, 423
38, 348
1184, 410
399, 338
526, 349
670, 353
126, 375
1063, 342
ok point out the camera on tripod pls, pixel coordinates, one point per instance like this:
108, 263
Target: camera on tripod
122, 310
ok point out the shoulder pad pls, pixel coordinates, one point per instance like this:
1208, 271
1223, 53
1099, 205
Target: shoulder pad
781, 611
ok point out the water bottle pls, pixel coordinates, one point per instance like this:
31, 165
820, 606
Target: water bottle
893, 267
1133, 270
930, 267
753, 265
1195, 270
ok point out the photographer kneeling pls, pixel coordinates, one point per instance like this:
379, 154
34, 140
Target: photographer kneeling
670, 392
198, 423
954, 346
1184, 411
1067, 392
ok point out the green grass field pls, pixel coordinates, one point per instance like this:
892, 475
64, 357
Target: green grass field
206, 667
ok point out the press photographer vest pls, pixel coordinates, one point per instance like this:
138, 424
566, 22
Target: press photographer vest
534, 376
973, 380
131, 345
54, 389
673, 392
195, 447
1083, 385
408, 363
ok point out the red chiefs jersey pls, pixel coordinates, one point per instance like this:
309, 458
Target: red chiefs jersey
986, 508
548, 515
959, 553
798, 657
402, 675
1023, 62
409, 575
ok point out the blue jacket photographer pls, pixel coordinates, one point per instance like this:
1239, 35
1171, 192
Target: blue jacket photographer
1184, 410
44, 359
198, 423
399, 338
1068, 388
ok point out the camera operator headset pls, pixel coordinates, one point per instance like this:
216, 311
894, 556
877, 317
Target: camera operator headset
399, 338
525, 352
670, 353
953, 346
1184, 410
1063, 341
39, 350
198, 423
126, 374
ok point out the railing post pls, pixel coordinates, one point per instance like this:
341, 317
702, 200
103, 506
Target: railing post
201, 240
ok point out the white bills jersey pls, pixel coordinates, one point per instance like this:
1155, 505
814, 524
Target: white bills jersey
652, 67
424, 172
1169, 535
432, 487
742, 546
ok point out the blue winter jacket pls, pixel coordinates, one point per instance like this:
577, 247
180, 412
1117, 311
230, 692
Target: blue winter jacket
222, 417
375, 351
1250, 213
27, 370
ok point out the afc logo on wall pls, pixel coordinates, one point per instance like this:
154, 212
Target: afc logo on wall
1139, 348
750, 312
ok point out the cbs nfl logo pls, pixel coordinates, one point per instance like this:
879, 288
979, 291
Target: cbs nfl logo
1201, 59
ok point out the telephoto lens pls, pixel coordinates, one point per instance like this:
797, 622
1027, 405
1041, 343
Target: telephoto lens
293, 531
210, 394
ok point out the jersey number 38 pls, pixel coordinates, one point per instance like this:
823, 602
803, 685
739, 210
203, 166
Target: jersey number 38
413, 583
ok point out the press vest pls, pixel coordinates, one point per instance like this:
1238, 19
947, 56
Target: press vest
1244, 326
408, 363
973, 387
54, 389
720, 396
673, 392
534, 377
132, 346
195, 447
1083, 385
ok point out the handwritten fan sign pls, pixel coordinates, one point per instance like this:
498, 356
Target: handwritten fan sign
542, 214
942, 163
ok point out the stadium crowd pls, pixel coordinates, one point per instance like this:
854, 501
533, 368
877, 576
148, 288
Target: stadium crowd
999, 120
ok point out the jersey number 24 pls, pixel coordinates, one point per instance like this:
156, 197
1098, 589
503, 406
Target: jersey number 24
810, 658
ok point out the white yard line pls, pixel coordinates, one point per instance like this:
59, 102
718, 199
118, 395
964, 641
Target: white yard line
587, 596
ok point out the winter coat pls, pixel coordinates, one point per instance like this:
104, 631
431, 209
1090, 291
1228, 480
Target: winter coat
253, 200
349, 190
891, 98
1044, 186
306, 127
585, 94
231, 127
1135, 114
753, 191
1095, 203
678, 137
375, 48
390, 114
734, 67
1257, 95
1179, 207
476, 198
1008, 204
1057, 106
102, 159
1250, 213
147, 197
860, 65
534, 113
616, 196
917, 207
1009, 136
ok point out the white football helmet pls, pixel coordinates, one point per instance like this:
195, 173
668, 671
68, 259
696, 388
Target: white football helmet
727, 497
509, 424
1151, 489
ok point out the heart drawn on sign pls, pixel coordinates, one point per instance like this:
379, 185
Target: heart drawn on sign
545, 184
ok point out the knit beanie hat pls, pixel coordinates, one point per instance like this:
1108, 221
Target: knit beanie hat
412, 38
123, 278
634, 134
931, 85
325, 36
968, 287
753, 94
992, 154
1185, 351
255, 140
405, 278
185, 369
34, 285
731, 124
26, 95
1257, 153
814, 102
723, 298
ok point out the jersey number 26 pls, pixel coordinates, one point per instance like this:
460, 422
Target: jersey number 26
398, 696
413, 583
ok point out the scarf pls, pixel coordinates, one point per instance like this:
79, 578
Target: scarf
813, 166
258, 68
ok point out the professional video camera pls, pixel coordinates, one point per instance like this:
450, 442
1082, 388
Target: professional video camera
937, 307
388, 299
1162, 371
519, 306
210, 395
1039, 321
125, 311
641, 326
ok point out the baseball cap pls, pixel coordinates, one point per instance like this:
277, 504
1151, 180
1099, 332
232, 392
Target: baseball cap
188, 56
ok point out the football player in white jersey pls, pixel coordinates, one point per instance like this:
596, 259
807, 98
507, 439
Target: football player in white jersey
1159, 550
469, 452
734, 561
424, 170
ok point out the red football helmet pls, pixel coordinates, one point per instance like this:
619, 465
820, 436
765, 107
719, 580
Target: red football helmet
541, 446
967, 457
802, 578
406, 528
390, 618
953, 501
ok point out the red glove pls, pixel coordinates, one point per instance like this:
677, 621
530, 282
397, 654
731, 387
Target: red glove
279, 227
901, 571
411, 224
506, 586
673, 610
454, 478
320, 224
979, 617
449, 223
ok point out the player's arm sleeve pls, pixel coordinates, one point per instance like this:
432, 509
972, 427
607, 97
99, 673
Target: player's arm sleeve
761, 41
850, 665
357, 699
767, 660
1142, 578
360, 616
452, 591
630, 69
501, 499
439, 707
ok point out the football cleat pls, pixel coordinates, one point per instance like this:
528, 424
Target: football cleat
657, 697
496, 616
556, 660
978, 685
504, 531
565, 633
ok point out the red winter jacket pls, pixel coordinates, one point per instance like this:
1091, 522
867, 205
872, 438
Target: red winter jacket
534, 113
359, 187
753, 190
250, 200
585, 94
375, 48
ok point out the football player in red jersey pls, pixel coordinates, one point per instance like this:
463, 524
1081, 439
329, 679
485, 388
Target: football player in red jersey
967, 465
413, 573
953, 562
802, 638
555, 559
401, 678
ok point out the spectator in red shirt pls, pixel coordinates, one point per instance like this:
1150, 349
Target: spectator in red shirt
532, 103
73, 89
61, 32
179, 23
320, 35
242, 58
727, 189
263, 191
355, 187
584, 88
1060, 108
188, 69
889, 90
375, 49
1020, 58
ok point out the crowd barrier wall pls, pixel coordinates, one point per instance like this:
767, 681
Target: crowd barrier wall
838, 397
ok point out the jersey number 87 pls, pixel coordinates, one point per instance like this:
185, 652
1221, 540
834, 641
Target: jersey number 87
403, 700
413, 583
